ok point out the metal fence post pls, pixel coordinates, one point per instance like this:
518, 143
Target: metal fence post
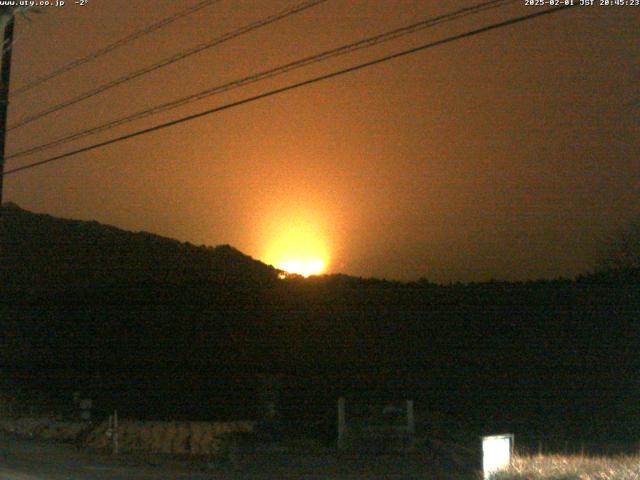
115, 432
411, 420
341, 423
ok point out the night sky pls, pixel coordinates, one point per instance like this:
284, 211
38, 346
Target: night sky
510, 155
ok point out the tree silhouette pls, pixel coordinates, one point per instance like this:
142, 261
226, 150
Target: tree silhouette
622, 251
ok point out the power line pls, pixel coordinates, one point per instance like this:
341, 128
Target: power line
332, 53
293, 86
167, 61
113, 46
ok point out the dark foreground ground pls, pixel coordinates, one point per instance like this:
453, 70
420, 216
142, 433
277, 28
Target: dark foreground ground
22, 459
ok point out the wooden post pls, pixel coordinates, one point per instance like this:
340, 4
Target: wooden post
342, 424
411, 420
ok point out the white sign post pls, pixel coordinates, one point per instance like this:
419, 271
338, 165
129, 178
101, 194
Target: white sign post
496, 453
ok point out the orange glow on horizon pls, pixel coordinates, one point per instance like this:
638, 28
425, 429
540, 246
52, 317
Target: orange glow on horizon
297, 248
305, 268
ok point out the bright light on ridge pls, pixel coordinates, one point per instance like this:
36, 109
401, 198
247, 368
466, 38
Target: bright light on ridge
303, 267
297, 248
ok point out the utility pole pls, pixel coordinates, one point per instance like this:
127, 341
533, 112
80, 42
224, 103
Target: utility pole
5, 74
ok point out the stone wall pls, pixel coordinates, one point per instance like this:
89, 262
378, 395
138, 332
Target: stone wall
47, 428
179, 438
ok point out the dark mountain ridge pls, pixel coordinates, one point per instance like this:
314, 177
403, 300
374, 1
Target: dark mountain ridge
41, 251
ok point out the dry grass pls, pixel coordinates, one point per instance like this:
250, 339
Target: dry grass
563, 467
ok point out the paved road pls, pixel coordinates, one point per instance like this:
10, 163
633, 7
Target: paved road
31, 460
34, 460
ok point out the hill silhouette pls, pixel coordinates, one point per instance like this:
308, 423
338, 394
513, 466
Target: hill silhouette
165, 329
40, 251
